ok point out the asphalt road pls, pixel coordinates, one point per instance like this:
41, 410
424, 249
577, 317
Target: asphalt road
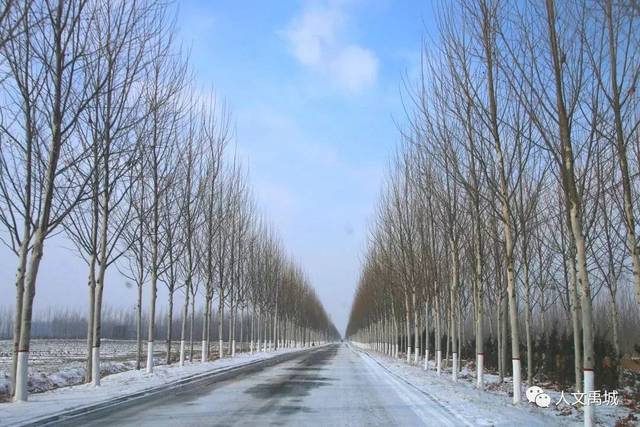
332, 386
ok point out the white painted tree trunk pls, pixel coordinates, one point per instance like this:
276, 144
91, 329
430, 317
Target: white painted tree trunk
454, 366
232, 327
22, 373
95, 366
258, 347
513, 316
253, 319
264, 341
480, 370
407, 326
396, 332
415, 329
453, 320
517, 380
150, 357
242, 337
183, 325
20, 278
275, 325
438, 340
182, 345
139, 327
92, 293
426, 335
588, 387
220, 325
479, 305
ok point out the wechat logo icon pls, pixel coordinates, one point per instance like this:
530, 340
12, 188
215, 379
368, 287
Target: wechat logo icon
536, 395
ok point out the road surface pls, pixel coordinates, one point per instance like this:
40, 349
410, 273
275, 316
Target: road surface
331, 386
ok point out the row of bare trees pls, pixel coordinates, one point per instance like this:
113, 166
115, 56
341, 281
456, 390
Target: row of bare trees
513, 199
103, 138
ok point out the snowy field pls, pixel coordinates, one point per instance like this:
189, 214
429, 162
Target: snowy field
493, 405
55, 363
116, 386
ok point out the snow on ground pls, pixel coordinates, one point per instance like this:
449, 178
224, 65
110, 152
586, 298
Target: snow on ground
493, 406
116, 386
55, 363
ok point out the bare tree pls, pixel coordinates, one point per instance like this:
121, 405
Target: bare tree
161, 98
612, 48
135, 236
118, 37
61, 91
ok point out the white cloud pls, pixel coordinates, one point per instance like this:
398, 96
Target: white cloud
313, 35
318, 41
355, 67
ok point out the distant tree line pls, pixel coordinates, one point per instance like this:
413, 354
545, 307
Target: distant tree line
117, 324
104, 137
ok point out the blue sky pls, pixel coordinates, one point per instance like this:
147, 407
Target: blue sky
313, 87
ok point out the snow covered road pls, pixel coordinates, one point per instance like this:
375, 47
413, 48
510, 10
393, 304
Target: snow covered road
332, 386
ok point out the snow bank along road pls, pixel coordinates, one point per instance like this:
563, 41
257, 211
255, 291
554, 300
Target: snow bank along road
331, 386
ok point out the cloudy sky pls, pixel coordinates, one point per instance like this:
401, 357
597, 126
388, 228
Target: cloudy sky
314, 90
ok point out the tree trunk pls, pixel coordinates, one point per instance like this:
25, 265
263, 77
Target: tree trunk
614, 330
220, 324
415, 328
17, 322
191, 326
574, 306
169, 325
152, 315
253, 319
183, 321
92, 292
573, 200
453, 297
511, 283
426, 334
97, 326
258, 330
527, 321
275, 326
407, 326
139, 327
479, 294
438, 336
241, 329
212, 321
22, 372
206, 318
503, 330
232, 325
